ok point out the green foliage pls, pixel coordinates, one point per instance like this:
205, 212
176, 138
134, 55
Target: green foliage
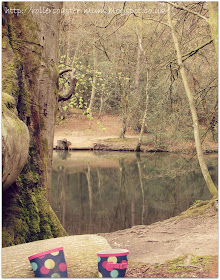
107, 86
196, 202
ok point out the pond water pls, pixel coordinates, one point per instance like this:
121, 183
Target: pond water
94, 192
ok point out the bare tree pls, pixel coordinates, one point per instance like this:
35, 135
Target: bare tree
93, 82
138, 148
189, 94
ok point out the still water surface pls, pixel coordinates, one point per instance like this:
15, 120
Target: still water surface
95, 192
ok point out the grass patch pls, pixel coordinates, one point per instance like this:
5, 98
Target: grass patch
188, 262
199, 208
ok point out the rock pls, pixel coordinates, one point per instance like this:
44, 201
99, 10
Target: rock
79, 250
63, 144
15, 142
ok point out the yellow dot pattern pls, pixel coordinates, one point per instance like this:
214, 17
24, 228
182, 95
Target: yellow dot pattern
49, 264
100, 275
112, 259
55, 253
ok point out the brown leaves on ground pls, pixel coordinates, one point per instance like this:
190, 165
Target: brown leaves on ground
187, 266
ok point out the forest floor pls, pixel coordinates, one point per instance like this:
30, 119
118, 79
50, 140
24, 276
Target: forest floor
75, 128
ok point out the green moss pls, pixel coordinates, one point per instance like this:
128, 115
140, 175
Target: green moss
49, 223
42, 125
4, 41
45, 145
200, 208
179, 264
8, 81
175, 265
45, 152
28, 217
203, 261
9, 113
7, 237
8, 100
23, 54
23, 106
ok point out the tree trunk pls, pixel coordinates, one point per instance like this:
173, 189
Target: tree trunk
34, 55
213, 23
189, 94
46, 86
124, 105
124, 126
138, 67
138, 148
135, 114
93, 83
102, 101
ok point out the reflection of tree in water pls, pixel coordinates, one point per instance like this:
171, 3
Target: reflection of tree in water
101, 201
82, 212
63, 154
88, 176
120, 210
152, 188
61, 180
141, 185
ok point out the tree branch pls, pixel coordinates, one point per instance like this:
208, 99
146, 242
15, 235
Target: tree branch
70, 92
120, 25
187, 10
196, 50
65, 71
104, 52
111, 18
191, 53
73, 82
167, 25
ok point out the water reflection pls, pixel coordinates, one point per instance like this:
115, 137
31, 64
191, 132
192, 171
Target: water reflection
108, 191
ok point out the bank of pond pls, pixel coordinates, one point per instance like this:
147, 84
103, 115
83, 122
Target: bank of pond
100, 191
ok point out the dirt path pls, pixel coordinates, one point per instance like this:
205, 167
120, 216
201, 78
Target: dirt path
106, 136
76, 130
194, 232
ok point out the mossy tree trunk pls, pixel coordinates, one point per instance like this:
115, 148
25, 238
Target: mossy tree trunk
189, 94
31, 49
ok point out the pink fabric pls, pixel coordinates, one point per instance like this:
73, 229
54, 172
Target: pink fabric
39, 255
110, 265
